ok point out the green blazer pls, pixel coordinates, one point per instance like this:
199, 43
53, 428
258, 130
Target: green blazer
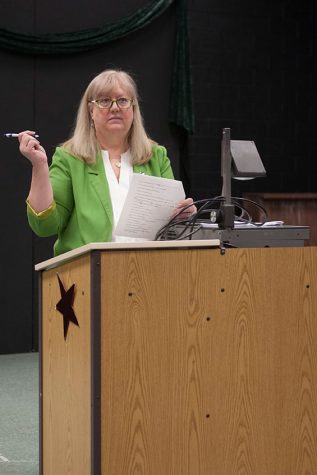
82, 211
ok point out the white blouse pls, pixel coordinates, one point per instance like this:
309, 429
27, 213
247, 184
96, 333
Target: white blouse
119, 189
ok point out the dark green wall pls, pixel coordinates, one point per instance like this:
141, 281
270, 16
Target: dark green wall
253, 70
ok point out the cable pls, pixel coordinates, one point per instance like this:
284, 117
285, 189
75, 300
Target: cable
192, 225
162, 232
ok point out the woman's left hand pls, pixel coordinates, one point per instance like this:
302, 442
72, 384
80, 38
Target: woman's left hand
188, 212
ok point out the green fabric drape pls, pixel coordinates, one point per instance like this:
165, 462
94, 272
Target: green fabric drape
85, 40
181, 108
78, 41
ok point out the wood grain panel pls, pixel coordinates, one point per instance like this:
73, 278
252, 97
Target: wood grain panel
66, 374
298, 209
209, 362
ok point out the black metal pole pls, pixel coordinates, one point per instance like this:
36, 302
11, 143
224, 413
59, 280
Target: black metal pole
226, 208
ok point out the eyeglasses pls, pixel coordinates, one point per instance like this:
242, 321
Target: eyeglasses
106, 103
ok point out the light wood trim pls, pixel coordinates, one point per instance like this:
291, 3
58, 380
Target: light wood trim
209, 362
66, 374
112, 246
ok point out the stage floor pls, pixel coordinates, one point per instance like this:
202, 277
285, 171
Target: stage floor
19, 414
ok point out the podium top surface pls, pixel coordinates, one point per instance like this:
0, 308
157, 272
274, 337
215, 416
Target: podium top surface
119, 246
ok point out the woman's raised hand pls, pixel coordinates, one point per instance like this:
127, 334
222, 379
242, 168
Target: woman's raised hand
31, 148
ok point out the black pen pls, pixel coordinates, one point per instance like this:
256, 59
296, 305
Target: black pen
9, 135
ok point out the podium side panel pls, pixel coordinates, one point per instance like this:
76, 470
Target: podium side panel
209, 362
66, 373
263, 362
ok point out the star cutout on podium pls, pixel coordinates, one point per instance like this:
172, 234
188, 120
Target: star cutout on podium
65, 306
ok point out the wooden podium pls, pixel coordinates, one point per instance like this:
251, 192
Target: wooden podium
186, 361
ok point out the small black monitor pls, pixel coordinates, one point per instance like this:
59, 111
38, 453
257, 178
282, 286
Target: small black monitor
241, 160
246, 161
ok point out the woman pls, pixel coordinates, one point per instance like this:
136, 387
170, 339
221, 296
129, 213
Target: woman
81, 195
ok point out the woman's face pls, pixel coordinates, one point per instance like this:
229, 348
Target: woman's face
113, 120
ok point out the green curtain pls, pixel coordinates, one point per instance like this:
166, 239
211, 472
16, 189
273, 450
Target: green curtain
79, 41
181, 108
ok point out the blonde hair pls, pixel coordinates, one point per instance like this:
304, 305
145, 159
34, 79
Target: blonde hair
83, 143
